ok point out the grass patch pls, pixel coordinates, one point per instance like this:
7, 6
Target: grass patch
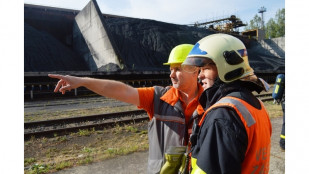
63, 165
144, 132
87, 150
84, 147
29, 161
38, 169
118, 129
61, 139
51, 152
85, 132
131, 129
86, 160
274, 110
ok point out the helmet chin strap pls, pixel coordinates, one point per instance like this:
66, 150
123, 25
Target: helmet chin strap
218, 81
265, 84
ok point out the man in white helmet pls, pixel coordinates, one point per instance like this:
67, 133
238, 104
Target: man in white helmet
233, 135
169, 108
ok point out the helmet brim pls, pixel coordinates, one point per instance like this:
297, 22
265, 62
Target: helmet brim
169, 63
197, 61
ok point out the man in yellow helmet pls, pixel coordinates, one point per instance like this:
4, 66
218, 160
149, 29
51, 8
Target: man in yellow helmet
169, 108
233, 135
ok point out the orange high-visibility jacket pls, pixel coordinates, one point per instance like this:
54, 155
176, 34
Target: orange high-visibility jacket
258, 128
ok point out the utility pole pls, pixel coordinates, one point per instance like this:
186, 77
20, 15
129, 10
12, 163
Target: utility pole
262, 10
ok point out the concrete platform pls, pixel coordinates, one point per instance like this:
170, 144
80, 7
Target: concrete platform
137, 162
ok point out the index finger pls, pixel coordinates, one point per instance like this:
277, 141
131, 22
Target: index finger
59, 84
55, 76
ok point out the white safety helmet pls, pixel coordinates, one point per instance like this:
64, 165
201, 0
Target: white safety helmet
226, 51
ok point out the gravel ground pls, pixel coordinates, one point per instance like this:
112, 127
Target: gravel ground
68, 104
137, 162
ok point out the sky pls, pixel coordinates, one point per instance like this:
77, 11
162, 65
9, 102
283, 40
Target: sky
176, 11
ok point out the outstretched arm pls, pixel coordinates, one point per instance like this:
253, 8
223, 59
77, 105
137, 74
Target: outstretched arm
108, 88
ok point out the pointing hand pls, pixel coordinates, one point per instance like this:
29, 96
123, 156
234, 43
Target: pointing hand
66, 83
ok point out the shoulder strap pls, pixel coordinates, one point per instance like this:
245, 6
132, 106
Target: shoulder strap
235, 104
159, 90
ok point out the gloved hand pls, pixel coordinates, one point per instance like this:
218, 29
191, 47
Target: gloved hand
173, 157
183, 169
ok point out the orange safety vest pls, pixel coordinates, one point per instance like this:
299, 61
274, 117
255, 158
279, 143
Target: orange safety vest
258, 128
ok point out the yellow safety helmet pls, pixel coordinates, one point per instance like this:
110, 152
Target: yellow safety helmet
226, 51
179, 53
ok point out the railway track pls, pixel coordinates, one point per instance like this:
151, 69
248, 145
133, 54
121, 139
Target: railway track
75, 101
50, 128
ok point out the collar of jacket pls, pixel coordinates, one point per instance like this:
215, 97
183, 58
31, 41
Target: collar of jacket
213, 94
173, 95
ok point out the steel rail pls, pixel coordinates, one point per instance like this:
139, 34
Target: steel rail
107, 120
69, 120
63, 131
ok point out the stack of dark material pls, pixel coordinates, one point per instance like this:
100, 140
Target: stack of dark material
43, 52
262, 60
141, 45
144, 45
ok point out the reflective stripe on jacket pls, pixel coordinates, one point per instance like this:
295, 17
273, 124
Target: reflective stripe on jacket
258, 128
166, 128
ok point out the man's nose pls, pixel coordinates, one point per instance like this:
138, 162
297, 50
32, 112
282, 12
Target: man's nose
172, 74
201, 75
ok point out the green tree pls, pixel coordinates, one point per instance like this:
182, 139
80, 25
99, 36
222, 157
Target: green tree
271, 28
280, 19
275, 27
255, 23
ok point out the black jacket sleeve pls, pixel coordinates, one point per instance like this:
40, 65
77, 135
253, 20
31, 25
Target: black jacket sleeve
222, 142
